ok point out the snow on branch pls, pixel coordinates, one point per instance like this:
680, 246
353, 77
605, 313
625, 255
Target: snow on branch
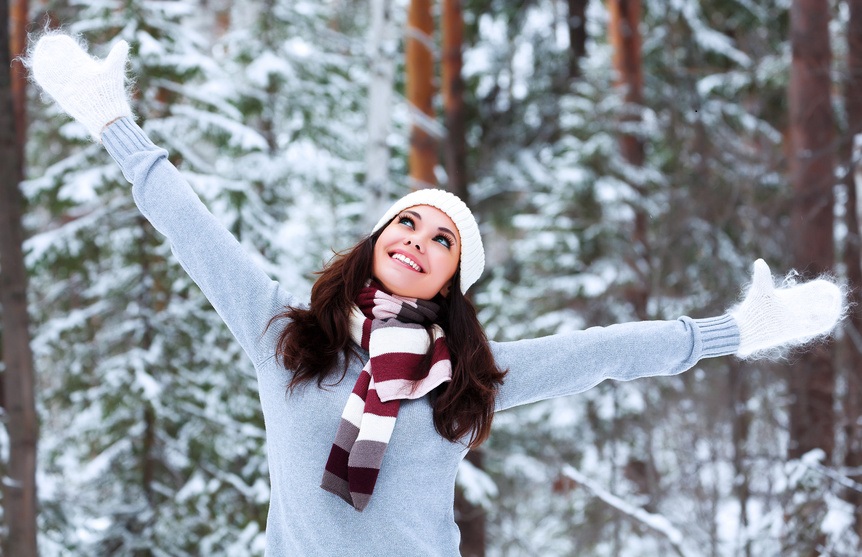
657, 522
813, 461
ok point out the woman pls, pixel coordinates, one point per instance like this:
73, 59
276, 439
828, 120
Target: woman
375, 389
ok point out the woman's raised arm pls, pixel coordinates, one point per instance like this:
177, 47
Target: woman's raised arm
93, 92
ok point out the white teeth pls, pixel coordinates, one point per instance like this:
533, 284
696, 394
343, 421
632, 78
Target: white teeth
405, 259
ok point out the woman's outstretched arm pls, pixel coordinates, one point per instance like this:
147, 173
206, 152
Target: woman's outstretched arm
93, 92
769, 319
569, 363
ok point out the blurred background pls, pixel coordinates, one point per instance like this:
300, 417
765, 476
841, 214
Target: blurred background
625, 160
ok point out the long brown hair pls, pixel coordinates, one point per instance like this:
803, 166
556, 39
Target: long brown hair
315, 337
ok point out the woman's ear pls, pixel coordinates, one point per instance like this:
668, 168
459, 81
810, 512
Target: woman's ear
445, 290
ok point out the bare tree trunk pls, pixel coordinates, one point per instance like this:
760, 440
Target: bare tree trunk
626, 40
577, 24
420, 93
382, 48
455, 146
17, 45
19, 483
853, 259
811, 175
740, 393
471, 518
812, 142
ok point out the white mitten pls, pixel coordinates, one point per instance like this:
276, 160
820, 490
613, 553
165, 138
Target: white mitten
770, 318
90, 90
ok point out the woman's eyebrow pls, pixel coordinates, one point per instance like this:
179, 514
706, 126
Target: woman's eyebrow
447, 231
440, 228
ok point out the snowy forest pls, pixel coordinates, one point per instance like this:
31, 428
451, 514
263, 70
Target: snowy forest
626, 160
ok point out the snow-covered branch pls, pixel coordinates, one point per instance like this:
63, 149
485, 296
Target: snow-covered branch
657, 522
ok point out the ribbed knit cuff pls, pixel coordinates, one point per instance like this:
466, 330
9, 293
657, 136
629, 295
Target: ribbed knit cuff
124, 137
719, 336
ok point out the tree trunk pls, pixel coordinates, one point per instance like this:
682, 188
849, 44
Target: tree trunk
381, 39
852, 261
455, 146
19, 485
626, 40
577, 24
812, 179
420, 93
740, 393
17, 45
471, 518
811, 163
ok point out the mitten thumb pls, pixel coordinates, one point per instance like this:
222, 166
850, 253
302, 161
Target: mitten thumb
115, 63
761, 280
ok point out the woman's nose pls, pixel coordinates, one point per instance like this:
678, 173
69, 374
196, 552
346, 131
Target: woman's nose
413, 243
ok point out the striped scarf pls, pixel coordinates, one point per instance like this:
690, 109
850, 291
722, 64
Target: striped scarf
393, 331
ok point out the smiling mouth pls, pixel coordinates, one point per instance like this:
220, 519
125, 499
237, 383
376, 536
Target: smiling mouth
407, 261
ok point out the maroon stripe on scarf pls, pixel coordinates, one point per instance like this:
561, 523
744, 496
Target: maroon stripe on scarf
362, 383
362, 480
373, 405
366, 333
441, 351
393, 365
337, 460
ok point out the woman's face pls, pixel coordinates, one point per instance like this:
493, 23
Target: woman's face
417, 254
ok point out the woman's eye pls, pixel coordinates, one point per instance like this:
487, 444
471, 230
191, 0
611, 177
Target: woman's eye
444, 241
407, 221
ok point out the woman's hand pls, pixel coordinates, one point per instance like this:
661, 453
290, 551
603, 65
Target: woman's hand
770, 318
90, 90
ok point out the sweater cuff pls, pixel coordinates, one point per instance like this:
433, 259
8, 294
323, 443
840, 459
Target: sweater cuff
719, 336
123, 137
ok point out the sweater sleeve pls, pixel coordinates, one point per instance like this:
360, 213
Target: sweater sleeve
570, 363
242, 294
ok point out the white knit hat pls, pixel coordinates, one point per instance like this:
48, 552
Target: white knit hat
472, 252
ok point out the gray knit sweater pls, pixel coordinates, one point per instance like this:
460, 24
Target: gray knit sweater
411, 511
